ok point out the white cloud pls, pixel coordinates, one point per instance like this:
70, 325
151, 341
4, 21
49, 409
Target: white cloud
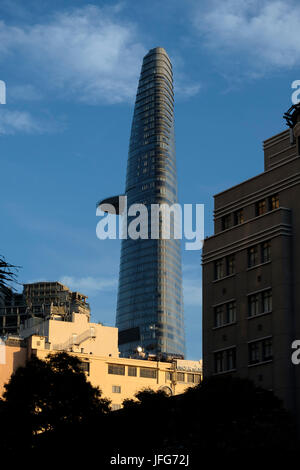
88, 53
265, 33
192, 292
89, 285
12, 122
187, 90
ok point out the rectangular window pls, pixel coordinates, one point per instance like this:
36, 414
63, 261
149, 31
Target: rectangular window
231, 359
266, 301
219, 362
231, 312
267, 349
85, 366
190, 378
132, 371
230, 265
218, 316
260, 351
253, 305
254, 352
116, 389
148, 373
116, 369
226, 221
238, 217
219, 271
169, 376
197, 378
225, 360
115, 406
180, 377
261, 207
252, 256
266, 252
274, 202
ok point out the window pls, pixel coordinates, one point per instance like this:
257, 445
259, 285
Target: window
190, 378
180, 377
230, 265
252, 256
260, 303
265, 252
230, 359
261, 207
219, 271
197, 378
274, 202
260, 351
238, 217
218, 316
85, 367
225, 360
254, 352
226, 221
148, 373
253, 305
116, 389
231, 312
267, 301
115, 407
225, 314
169, 376
116, 369
132, 371
267, 349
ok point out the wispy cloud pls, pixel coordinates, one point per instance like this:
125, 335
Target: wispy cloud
89, 285
88, 53
261, 33
12, 122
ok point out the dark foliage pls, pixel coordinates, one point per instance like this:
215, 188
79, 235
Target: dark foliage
48, 400
50, 405
8, 273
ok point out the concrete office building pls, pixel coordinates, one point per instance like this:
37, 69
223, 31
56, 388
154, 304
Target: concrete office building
97, 348
150, 303
251, 273
41, 300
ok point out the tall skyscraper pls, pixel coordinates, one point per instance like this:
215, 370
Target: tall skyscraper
150, 304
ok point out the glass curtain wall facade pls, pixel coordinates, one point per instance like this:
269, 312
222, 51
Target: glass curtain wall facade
150, 303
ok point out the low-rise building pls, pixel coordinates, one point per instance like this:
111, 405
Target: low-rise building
97, 348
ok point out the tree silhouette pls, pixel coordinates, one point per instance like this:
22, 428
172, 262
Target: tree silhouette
222, 416
8, 273
48, 401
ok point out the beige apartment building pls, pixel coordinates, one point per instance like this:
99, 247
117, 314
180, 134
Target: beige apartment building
97, 347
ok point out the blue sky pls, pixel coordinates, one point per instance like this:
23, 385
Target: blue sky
71, 71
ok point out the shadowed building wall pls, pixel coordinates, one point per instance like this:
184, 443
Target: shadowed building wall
251, 274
